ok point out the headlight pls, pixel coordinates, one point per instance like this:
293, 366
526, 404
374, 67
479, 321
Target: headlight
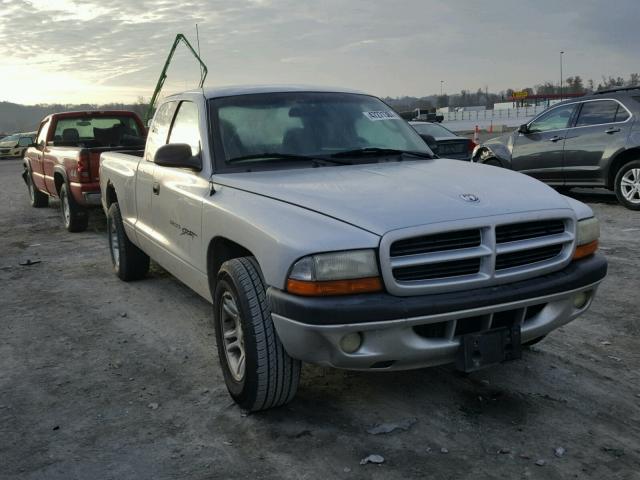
475, 150
335, 273
587, 238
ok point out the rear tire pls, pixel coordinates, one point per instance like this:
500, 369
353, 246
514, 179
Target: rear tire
128, 261
257, 370
627, 185
37, 199
74, 217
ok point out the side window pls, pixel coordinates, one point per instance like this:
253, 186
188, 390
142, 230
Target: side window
42, 133
159, 129
186, 128
622, 114
597, 113
24, 142
556, 119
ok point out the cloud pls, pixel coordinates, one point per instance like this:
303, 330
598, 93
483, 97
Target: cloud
117, 48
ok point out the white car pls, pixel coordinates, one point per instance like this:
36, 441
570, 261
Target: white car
15, 145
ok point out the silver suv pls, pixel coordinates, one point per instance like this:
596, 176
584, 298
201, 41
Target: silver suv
593, 141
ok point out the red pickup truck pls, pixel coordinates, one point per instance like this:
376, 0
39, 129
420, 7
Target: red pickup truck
64, 162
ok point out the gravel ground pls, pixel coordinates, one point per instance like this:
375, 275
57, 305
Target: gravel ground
103, 379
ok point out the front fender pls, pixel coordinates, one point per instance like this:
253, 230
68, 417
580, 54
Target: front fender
275, 232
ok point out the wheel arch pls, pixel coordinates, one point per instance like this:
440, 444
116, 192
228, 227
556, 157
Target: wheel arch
618, 162
220, 250
59, 179
110, 195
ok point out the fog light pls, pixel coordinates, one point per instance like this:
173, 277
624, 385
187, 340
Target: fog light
581, 299
351, 342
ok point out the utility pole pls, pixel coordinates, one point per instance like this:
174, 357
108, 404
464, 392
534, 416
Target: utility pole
561, 81
441, 82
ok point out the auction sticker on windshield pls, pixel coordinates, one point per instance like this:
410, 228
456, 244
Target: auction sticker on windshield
381, 115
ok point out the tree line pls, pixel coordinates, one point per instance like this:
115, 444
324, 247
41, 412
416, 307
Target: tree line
483, 97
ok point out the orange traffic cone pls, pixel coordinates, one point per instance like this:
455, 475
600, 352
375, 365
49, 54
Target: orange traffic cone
491, 127
476, 135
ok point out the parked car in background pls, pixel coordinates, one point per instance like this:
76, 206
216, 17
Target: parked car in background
593, 141
65, 160
14, 146
322, 229
443, 141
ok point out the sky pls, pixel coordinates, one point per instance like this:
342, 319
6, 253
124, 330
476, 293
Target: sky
100, 51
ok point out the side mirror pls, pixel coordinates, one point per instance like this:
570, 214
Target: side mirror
431, 142
177, 155
523, 129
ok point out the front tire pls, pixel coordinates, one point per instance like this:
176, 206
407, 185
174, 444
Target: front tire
37, 199
627, 185
74, 217
257, 370
128, 261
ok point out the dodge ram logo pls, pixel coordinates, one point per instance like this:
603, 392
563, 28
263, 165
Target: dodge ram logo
469, 197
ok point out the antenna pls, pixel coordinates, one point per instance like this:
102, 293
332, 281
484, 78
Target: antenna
198, 41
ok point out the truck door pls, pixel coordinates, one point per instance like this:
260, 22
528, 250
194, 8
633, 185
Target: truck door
539, 152
35, 156
157, 137
178, 196
600, 131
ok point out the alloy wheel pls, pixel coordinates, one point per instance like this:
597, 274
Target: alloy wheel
232, 336
630, 185
114, 244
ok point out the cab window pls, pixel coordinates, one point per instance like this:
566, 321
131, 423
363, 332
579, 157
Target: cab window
159, 131
556, 119
597, 113
42, 133
185, 127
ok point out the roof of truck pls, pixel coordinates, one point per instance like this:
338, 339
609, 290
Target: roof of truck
229, 91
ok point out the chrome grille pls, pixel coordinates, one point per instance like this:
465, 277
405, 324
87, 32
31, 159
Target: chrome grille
438, 270
436, 243
475, 253
523, 231
516, 259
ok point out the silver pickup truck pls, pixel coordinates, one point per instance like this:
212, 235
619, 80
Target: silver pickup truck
323, 229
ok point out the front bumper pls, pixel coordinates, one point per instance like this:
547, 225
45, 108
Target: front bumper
13, 153
412, 332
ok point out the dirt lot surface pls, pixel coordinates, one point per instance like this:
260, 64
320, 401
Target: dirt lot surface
103, 379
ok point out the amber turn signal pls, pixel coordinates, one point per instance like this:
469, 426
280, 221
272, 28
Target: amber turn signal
586, 250
334, 287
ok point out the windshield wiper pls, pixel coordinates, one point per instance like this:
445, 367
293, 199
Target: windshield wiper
287, 156
373, 151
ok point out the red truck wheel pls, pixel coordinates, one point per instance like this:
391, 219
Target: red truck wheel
75, 217
129, 262
37, 199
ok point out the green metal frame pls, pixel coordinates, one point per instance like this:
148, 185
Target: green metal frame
163, 76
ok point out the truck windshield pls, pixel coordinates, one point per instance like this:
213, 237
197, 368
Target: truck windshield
98, 131
296, 126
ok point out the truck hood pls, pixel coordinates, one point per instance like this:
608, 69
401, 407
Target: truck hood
388, 196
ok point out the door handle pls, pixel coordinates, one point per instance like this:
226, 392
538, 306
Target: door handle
612, 130
555, 139
156, 188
